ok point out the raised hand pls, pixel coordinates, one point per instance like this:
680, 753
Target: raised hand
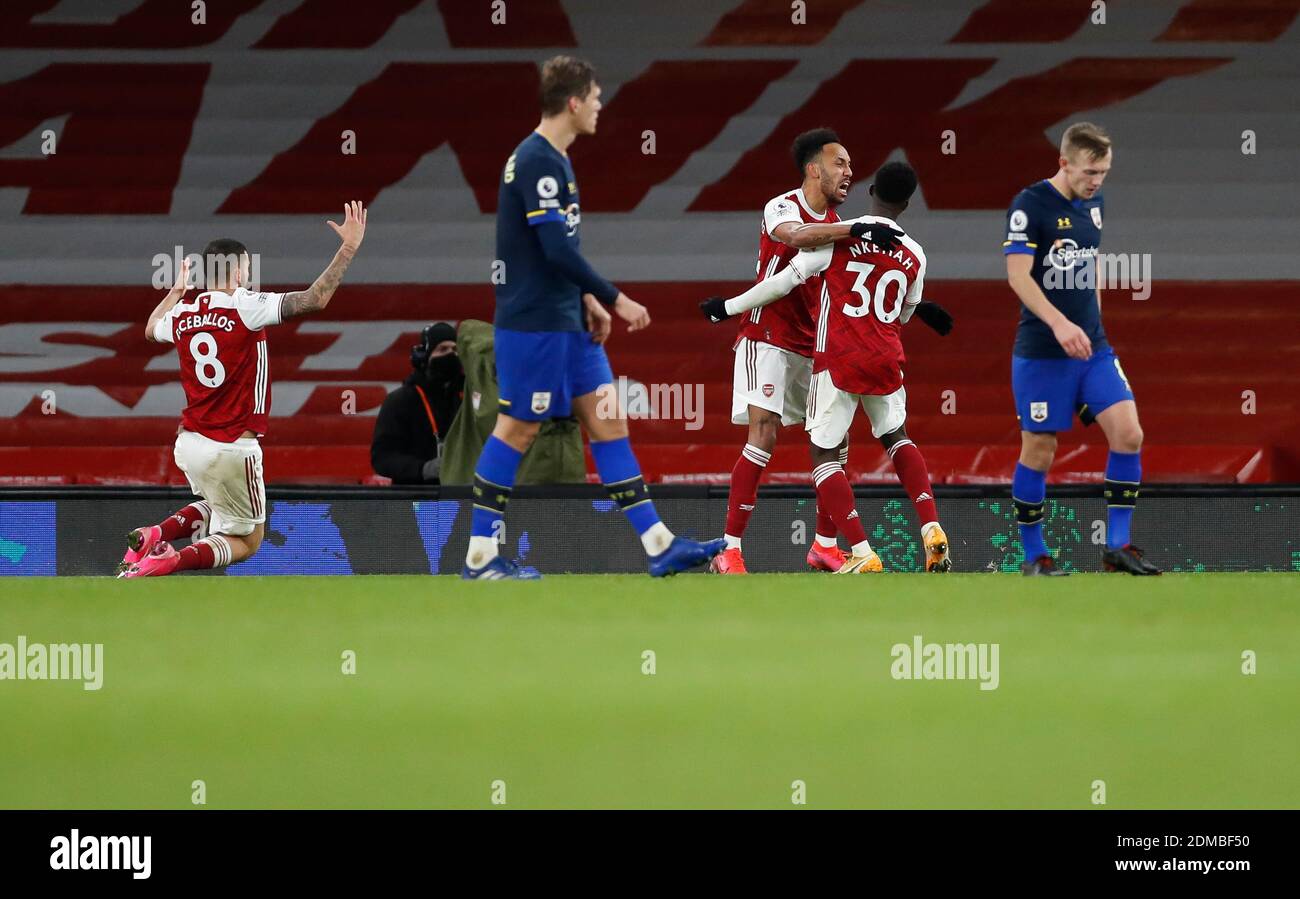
353, 229
183, 277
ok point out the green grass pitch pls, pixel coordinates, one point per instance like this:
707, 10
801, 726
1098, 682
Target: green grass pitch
759, 682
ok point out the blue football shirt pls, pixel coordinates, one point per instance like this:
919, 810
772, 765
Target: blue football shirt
1064, 237
537, 186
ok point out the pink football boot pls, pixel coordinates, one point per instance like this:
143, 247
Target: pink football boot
138, 544
160, 562
825, 558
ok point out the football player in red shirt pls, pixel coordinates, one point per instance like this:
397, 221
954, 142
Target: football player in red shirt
868, 290
774, 347
220, 338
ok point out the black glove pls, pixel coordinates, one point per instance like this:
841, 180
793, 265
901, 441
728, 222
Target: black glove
882, 236
715, 309
935, 316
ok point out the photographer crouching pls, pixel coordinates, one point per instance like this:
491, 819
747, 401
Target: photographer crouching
412, 424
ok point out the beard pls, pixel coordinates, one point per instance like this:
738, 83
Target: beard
831, 191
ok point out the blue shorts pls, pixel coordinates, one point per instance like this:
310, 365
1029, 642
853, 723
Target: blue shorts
1049, 391
540, 372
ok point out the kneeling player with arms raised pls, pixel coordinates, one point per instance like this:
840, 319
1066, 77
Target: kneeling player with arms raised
1062, 362
220, 337
868, 292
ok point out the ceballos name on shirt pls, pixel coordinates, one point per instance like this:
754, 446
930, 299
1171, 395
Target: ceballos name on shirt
208, 321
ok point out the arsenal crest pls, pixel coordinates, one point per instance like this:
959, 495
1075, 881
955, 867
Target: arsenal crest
1096, 215
1038, 411
768, 390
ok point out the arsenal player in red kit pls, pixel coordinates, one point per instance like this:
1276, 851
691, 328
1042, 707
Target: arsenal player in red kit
773, 364
868, 291
220, 338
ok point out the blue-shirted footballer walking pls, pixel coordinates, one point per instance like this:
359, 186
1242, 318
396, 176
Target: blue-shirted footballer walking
552, 318
1062, 363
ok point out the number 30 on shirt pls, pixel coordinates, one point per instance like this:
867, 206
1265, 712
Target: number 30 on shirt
876, 299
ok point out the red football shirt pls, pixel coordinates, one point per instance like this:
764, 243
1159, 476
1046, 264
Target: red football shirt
867, 295
221, 341
790, 322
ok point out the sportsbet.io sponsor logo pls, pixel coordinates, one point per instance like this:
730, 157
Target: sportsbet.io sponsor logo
1071, 267
1065, 253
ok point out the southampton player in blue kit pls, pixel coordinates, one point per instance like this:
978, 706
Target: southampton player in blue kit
1062, 363
552, 318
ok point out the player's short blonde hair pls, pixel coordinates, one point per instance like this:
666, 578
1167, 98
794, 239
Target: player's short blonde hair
1087, 138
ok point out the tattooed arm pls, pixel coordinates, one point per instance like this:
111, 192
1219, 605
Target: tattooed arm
317, 297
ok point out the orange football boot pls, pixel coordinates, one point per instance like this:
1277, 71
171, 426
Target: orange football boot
729, 561
936, 550
868, 564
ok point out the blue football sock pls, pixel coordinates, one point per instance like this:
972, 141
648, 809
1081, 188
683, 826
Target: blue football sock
1123, 475
494, 476
621, 475
1028, 493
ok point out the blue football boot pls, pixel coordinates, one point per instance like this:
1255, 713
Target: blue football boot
682, 554
500, 569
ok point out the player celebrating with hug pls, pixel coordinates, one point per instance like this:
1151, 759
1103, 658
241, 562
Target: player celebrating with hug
871, 285
774, 346
1062, 362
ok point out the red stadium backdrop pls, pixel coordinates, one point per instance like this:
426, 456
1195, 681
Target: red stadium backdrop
116, 397
171, 133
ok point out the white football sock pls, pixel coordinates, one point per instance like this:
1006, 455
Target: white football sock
862, 549
481, 551
221, 552
826, 541
732, 542
656, 538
